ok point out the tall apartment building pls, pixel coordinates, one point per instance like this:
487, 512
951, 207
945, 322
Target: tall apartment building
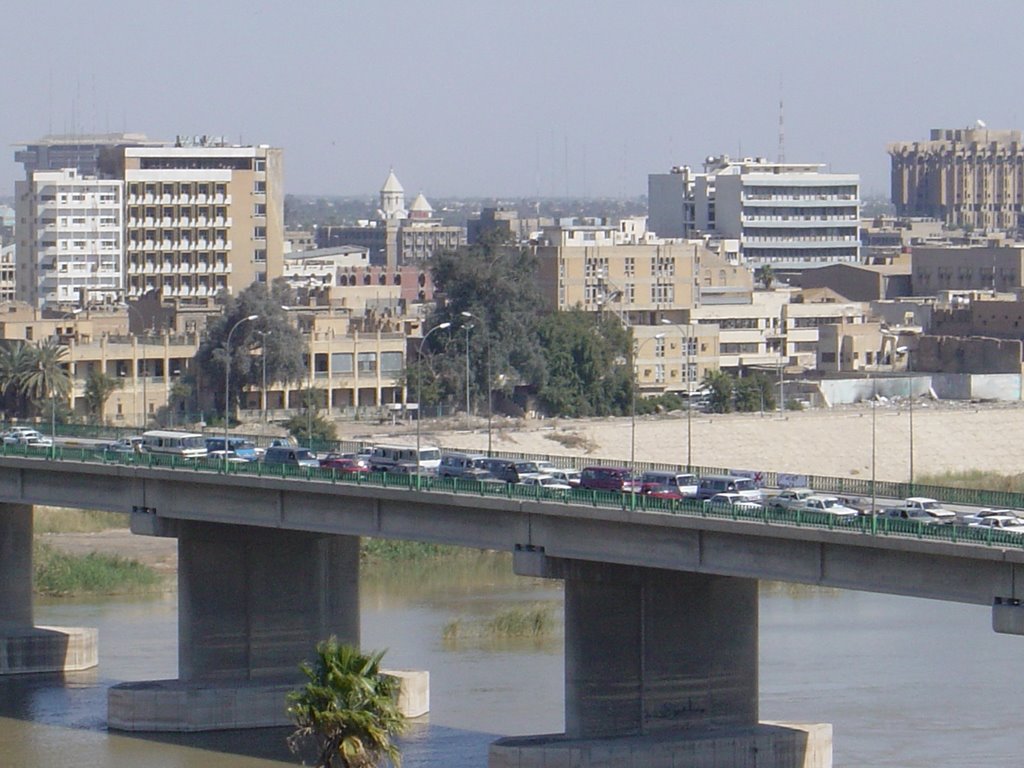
784, 215
201, 217
79, 151
965, 177
69, 238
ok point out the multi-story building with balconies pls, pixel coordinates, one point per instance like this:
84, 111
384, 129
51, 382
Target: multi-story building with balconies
201, 217
965, 177
69, 238
784, 215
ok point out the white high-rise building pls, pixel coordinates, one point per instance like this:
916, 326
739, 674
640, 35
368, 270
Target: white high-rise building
69, 247
788, 215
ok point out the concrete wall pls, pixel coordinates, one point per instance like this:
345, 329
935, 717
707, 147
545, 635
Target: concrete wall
945, 386
974, 354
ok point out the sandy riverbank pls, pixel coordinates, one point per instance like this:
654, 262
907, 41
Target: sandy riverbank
837, 442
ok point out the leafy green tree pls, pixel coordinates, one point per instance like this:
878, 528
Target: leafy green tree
719, 385
347, 709
309, 427
495, 283
766, 275
754, 393
284, 347
99, 386
587, 365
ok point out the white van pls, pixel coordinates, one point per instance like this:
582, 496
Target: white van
402, 459
184, 445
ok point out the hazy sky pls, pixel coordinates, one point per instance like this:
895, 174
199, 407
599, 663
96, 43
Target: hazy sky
516, 98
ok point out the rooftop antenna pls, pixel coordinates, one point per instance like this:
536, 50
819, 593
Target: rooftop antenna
782, 130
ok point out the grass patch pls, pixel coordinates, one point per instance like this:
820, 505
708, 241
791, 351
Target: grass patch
533, 622
388, 550
60, 574
60, 520
978, 479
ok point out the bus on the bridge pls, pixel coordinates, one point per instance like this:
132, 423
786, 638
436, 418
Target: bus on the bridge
184, 445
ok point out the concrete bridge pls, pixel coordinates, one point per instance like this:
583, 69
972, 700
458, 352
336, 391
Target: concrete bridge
661, 609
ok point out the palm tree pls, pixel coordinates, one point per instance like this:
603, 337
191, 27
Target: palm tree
15, 358
348, 709
44, 376
98, 389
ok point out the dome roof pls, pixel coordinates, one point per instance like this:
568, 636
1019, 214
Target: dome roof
420, 205
392, 184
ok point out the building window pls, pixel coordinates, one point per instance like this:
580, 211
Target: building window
259, 209
391, 362
259, 233
367, 362
260, 254
341, 362
259, 187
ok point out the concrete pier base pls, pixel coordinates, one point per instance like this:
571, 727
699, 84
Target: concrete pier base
24, 647
177, 706
767, 745
33, 650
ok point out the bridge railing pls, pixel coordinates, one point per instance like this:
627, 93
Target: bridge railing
872, 525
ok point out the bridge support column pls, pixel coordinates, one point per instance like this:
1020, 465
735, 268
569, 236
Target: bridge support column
252, 603
24, 647
660, 670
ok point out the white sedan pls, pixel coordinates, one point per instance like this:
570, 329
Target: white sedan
1002, 523
545, 481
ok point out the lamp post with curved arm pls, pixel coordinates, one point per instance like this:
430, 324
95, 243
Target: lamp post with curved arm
227, 384
632, 432
467, 327
685, 339
419, 392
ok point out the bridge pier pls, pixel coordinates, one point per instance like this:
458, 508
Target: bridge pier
252, 603
660, 669
24, 647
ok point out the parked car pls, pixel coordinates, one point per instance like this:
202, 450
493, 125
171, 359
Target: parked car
404, 459
684, 482
980, 514
465, 466
29, 437
608, 479
730, 502
242, 448
131, 444
789, 498
501, 469
712, 485
570, 477
827, 505
292, 456
1001, 523
362, 461
665, 492
545, 481
344, 465
929, 507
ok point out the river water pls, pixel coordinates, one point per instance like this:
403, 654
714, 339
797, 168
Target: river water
905, 682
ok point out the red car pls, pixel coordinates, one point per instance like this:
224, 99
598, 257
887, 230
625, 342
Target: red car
344, 465
665, 492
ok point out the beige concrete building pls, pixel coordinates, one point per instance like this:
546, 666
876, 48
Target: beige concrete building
202, 217
350, 362
99, 340
862, 282
965, 177
847, 347
966, 268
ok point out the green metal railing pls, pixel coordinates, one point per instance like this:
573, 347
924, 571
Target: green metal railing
866, 525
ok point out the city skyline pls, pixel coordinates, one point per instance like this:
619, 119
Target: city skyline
463, 100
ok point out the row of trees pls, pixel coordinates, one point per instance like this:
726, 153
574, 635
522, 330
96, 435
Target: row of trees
575, 363
727, 393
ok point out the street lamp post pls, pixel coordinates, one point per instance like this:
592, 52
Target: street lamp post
632, 432
263, 403
227, 383
468, 327
419, 392
685, 337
